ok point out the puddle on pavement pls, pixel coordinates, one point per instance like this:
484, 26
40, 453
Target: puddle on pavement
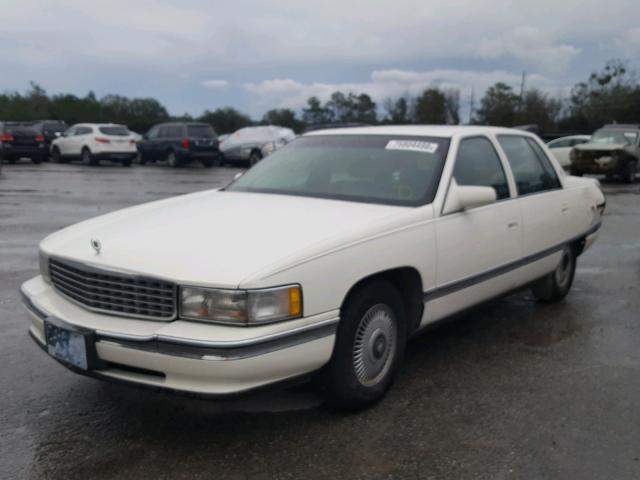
544, 333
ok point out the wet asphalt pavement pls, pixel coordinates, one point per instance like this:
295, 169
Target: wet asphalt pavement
512, 390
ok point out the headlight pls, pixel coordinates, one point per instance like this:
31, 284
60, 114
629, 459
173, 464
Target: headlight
43, 259
241, 307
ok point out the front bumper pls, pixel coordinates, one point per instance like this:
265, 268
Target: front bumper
185, 356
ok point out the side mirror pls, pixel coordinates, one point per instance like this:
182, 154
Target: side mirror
465, 197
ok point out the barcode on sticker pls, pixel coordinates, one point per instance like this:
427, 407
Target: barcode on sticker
412, 146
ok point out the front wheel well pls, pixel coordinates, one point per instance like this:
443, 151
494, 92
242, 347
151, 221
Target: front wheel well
409, 284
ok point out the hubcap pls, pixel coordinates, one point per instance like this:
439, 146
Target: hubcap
563, 272
374, 345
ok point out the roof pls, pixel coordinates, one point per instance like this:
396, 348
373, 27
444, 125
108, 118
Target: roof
444, 131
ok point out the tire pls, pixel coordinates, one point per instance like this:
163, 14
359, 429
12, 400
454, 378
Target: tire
575, 172
87, 158
127, 162
369, 347
56, 157
37, 159
254, 158
556, 285
629, 171
172, 159
207, 162
141, 158
12, 161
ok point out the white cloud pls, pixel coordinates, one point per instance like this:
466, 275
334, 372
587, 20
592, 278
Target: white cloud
288, 93
531, 46
215, 83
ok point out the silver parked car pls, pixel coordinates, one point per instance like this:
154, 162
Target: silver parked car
251, 144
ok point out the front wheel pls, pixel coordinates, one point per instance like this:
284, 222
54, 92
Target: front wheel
556, 285
629, 171
369, 347
254, 158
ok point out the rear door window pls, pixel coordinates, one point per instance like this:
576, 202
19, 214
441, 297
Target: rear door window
478, 165
531, 168
200, 131
115, 130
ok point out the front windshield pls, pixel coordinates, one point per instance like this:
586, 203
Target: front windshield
612, 137
392, 170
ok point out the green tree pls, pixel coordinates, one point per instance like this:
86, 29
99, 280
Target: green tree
431, 107
226, 120
283, 117
398, 111
314, 113
498, 106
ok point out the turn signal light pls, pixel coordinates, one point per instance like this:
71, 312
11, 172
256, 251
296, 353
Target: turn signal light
40, 138
185, 143
5, 137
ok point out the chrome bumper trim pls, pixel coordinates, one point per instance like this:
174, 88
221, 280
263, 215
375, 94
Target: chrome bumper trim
201, 349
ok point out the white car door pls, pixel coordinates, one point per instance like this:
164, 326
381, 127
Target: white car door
63, 143
547, 208
80, 139
476, 247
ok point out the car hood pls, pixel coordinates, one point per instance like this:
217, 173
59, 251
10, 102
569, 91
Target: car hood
216, 238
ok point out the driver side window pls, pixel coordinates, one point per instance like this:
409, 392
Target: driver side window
478, 165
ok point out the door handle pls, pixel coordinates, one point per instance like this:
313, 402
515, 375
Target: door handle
512, 225
565, 209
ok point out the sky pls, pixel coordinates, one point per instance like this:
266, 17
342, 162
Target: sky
194, 55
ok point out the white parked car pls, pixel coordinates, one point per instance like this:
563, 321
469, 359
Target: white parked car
324, 258
561, 148
92, 142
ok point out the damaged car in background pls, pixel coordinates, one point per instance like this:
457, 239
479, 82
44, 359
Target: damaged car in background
614, 151
252, 144
322, 260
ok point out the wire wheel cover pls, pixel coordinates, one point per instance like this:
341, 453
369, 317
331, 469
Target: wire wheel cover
374, 345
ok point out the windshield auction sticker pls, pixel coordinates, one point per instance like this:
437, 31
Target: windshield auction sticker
412, 146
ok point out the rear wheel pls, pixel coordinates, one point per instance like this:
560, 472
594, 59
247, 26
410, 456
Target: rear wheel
369, 347
37, 159
56, 156
172, 159
207, 162
141, 158
556, 285
127, 162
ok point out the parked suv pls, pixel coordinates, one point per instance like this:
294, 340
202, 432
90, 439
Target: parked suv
92, 142
50, 130
180, 144
614, 150
20, 140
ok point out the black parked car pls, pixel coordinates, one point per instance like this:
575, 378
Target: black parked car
50, 130
20, 140
180, 143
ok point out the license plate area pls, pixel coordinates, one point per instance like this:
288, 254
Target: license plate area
69, 346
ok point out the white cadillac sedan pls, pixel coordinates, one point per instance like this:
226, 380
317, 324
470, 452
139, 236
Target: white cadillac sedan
322, 259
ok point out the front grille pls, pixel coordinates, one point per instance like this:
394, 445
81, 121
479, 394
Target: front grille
108, 292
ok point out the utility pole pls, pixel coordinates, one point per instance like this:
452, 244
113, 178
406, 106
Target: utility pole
524, 79
471, 105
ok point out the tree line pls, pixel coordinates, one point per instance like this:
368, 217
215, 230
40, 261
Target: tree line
608, 95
